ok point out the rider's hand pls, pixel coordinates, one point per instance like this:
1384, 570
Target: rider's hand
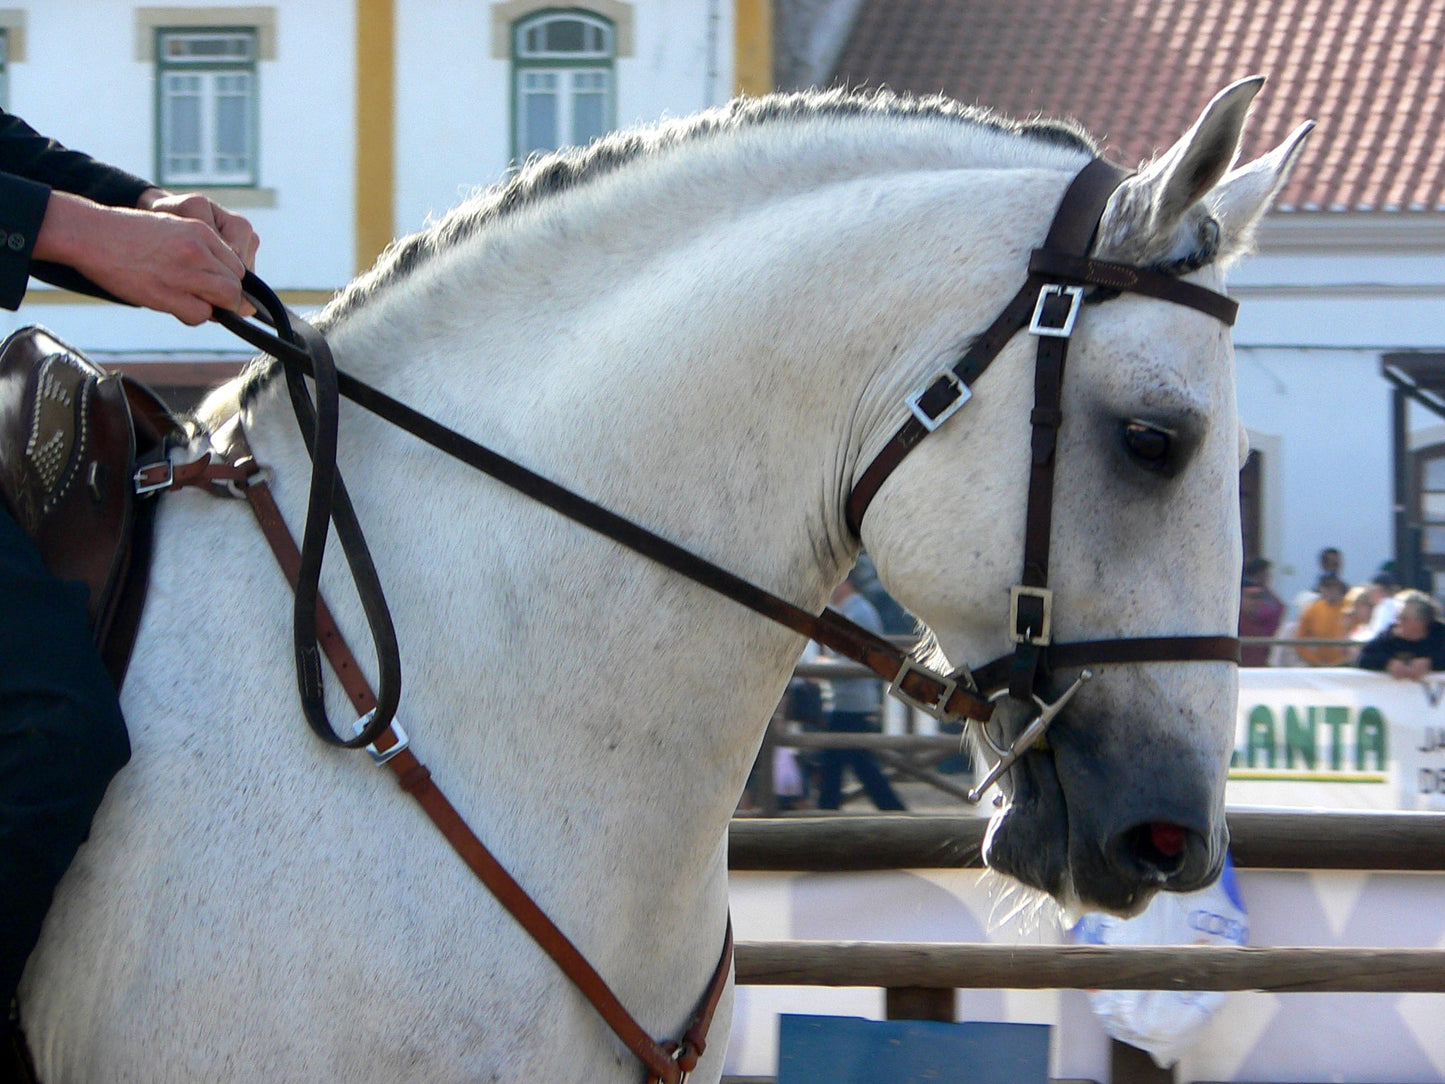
234, 230
162, 261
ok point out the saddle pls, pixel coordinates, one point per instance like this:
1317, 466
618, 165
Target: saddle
72, 437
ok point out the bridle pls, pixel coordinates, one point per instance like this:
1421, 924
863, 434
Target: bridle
1047, 305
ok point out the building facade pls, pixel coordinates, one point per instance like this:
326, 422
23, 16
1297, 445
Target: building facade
1349, 279
337, 125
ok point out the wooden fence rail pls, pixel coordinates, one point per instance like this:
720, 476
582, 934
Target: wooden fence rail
1259, 839
919, 979
1080, 967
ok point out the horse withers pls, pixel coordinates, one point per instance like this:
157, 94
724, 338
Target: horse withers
711, 327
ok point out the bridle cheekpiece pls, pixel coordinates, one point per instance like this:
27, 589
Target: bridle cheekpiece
1048, 307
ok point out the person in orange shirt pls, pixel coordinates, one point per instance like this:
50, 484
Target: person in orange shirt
1326, 618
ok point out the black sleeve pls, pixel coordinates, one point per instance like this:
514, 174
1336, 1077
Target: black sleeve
30, 166
1375, 654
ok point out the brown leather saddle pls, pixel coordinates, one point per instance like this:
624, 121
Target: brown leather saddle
72, 437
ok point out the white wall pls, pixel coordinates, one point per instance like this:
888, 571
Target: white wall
1314, 321
454, 97
81, 83
1328, 412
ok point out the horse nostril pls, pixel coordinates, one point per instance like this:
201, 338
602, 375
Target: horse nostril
1156, 851
1167, 839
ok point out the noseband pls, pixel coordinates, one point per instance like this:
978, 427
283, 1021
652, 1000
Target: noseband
1047, 305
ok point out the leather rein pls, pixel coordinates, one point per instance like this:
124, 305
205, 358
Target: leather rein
1047, 305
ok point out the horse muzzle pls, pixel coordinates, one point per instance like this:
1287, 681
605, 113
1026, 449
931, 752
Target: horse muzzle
1107, 832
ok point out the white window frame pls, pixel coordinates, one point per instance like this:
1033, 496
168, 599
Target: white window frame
574, 73
5, 68
225, 71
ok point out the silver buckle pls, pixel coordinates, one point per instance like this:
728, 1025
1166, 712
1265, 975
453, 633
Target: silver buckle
380, 756
932, 423
1038, 636
1032, 735
1064, 330
937, 709
142, 488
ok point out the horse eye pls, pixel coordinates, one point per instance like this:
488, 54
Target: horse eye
1148, 446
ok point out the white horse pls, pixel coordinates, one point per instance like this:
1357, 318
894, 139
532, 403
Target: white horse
710, 327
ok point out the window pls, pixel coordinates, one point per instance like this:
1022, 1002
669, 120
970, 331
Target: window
1251, 506
1429, 505
4, 68
206, 106
563, 89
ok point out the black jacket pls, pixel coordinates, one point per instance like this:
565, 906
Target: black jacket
1386, 646
30, 166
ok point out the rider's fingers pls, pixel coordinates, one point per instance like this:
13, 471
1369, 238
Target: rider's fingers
238, 234
230, 261
186, 307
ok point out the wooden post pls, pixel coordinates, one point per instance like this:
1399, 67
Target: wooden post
1130, 1065
919, 1003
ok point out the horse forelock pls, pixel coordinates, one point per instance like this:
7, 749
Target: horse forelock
545, 176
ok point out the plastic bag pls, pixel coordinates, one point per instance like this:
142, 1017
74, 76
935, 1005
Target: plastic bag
1166, 1023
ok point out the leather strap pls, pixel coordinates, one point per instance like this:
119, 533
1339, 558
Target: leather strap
1062, 267
166, 477
939, 397
665, 1062
994, 675
932, 692
1072, 231
302, 351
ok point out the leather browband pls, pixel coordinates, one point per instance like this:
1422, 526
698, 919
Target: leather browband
1047, 305
1047, 265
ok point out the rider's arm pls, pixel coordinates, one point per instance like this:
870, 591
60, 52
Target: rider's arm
158, 260
82, 225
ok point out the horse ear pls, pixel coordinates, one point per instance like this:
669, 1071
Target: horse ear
1142, 222
1241, 199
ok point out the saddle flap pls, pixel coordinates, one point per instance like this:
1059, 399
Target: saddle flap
67, 454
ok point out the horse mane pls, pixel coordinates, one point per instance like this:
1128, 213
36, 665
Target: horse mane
570, 168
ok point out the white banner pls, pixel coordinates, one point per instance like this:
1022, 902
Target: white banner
1338, 739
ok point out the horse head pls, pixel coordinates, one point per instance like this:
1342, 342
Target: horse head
1126, 795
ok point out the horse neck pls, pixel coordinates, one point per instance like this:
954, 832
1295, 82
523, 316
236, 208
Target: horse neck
718, 389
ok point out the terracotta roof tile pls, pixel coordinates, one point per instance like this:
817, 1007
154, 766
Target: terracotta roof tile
1136, 73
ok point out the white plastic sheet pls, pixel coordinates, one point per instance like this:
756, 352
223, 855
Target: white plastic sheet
1166, 1023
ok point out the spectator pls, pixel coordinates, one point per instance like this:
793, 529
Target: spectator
1324, 619
1414, 645
896, 620
1331, 561
1359, 609
855, 710
1383, 588
1260, 611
